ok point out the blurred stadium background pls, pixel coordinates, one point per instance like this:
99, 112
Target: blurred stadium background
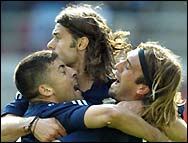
26, 27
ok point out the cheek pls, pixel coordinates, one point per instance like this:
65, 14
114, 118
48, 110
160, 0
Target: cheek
122, 88
64, 86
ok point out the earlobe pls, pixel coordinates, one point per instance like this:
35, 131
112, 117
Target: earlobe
45, 90
142, 89
83, 43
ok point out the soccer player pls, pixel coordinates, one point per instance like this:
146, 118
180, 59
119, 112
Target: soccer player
143, 77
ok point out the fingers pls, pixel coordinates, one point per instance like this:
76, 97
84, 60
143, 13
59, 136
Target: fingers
61, 130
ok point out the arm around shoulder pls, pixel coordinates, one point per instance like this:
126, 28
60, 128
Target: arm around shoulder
118, 117
177, 131
98, 116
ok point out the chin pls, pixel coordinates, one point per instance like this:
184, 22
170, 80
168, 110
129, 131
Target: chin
111, 93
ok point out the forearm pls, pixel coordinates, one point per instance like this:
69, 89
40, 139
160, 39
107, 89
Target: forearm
133, 124
177, 131
113, 116
12, 127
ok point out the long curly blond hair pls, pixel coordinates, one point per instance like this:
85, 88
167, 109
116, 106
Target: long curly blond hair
165, 72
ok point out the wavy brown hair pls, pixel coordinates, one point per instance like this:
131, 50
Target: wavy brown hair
165, 72
83, 20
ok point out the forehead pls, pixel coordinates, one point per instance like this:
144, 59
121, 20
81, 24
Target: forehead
59, 29
132, 56
133, 53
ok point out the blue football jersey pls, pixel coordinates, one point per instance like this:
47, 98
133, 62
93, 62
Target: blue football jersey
17, 107
69, 114
99, 135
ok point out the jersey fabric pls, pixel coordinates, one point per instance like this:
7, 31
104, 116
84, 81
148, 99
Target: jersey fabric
71, 116
17, 107
99, 135
97, 92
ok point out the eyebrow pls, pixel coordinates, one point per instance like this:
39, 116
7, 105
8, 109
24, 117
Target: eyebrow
55, 33
129, 62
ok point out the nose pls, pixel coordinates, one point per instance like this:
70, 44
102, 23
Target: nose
73, 73
51, 45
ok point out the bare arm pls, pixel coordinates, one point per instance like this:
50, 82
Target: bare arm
12, 127
114, 116
177, 131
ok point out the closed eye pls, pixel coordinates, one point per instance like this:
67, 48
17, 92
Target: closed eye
127, 64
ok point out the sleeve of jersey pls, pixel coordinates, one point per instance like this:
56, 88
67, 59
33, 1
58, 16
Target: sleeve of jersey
76, 119
17, 107
72, 117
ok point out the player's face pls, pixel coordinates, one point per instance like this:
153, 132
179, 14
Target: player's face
126, 71
63, 80
64, 45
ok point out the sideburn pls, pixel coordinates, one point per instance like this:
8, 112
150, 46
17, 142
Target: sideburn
140, 80
73, 43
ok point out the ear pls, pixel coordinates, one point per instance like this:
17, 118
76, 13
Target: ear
82, 43
142, 89
45, 90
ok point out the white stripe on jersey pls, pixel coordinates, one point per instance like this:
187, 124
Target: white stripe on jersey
73, 102
18, 95
85, 103
79, 102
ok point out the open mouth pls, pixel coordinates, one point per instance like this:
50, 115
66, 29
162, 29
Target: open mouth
77, 92
117, 81
76, 87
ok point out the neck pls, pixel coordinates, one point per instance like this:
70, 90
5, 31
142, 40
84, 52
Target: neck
44, 99
84, 80
79, 65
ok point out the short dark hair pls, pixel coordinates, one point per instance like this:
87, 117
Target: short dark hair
31, 72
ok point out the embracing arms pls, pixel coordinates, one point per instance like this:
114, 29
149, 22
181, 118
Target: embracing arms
177, 131
118, 117
123, 117
12, 127
12, 124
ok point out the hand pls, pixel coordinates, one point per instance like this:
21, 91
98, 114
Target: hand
48, 129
